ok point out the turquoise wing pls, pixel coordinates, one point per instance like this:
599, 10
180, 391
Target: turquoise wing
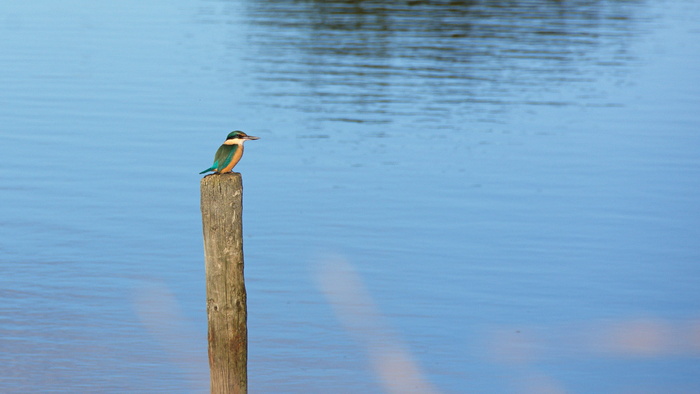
223, 156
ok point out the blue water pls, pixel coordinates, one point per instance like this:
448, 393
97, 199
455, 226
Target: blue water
446, 196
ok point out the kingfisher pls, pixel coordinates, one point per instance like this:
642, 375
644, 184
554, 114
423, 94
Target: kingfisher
230, 152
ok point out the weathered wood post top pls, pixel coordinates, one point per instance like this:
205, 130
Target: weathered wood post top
222, 225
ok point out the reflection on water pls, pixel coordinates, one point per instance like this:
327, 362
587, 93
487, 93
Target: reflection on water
379, 61
518, 348
513, 186
391, 362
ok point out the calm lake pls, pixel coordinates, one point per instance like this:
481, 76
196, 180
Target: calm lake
446, 197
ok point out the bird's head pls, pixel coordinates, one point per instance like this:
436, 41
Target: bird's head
237, 137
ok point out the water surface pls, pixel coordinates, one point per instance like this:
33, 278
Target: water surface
454, 196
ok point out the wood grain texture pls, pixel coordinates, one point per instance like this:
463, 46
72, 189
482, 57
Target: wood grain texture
222, 206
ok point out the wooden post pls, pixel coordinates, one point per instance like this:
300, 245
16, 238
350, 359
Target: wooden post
221, 204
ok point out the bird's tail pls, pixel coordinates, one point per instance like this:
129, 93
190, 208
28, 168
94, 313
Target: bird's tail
208, 169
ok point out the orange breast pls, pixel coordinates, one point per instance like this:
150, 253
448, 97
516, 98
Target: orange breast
234, 160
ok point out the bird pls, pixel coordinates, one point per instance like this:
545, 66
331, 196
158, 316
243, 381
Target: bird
230, 152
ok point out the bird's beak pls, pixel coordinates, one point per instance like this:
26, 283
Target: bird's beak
250, 137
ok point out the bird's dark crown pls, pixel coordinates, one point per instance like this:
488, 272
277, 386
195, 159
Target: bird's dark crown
236, 134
